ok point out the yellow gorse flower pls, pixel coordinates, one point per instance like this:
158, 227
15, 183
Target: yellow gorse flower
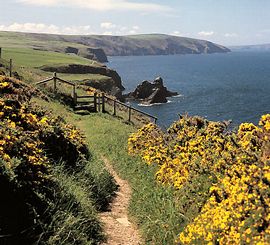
237, 211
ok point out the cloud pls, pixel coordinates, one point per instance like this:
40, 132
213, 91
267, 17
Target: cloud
230, 35
180, 34
135, 27
107, 33
101, 5
107, 25
106, 28
43, 28
206, 33
134, 30
113, 29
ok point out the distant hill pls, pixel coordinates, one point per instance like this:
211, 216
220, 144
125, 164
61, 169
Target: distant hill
259, 47
149, 44
92, 46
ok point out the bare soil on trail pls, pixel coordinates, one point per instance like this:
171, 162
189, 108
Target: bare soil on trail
119, 230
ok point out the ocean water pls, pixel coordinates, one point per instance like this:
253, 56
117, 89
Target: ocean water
233, 86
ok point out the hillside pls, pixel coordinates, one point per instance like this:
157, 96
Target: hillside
30, 65
195, 183
87, 46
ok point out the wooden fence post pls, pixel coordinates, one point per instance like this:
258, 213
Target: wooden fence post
114, 107
129, 114
74, 91
98, 102
54, 82
103, 102
95, 102
10, 67
75, 98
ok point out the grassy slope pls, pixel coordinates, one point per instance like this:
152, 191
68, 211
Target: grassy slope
34, 58
112, 45
26, 40
153, 207
26, 61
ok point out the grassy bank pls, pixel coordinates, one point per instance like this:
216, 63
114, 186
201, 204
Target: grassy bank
52, 184
153, 207
90, 188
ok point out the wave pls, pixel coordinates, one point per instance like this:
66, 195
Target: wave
177, 96
154, 104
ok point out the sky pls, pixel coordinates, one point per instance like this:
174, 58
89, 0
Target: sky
227, 22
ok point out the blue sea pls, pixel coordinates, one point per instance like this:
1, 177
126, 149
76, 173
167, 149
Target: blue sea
233, 86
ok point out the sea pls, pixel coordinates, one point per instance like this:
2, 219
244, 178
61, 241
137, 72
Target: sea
232, 86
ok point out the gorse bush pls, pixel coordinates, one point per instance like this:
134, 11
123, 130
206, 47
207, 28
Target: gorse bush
50, 206
235, 207
34, 136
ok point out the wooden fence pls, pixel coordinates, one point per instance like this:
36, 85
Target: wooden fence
9, 63
114, 103
97, 102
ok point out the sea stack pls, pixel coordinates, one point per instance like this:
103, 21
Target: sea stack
151, 92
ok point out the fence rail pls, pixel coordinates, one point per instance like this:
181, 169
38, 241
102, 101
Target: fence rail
96, 102
129, 108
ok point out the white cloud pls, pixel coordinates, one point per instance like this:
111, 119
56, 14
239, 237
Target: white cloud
106, 28
229, 35
107, 25
43, 28
113, 29
101, 5
132, 32
180, 34
176, 33
135, 27
107, 33
206, 33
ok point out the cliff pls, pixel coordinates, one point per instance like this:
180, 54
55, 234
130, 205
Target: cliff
98, 46
112, 85
151, 44
96, 54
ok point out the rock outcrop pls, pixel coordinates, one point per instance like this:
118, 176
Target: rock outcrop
96, 54
151, 92
111, 84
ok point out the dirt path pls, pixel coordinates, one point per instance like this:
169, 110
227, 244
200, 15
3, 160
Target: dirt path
117, 226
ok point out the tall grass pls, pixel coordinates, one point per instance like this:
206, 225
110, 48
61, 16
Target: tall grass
153, 207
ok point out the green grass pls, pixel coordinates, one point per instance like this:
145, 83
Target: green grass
36, 58
160, 212
82, 77
153, 207
26, 40
27, 62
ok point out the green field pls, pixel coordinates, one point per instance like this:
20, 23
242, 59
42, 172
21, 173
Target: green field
28, 61
35, 58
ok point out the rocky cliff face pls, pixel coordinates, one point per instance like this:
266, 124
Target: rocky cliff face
152, 44
96, 54
112, 85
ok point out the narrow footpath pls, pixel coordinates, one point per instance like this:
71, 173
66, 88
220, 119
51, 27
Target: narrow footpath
116, 224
